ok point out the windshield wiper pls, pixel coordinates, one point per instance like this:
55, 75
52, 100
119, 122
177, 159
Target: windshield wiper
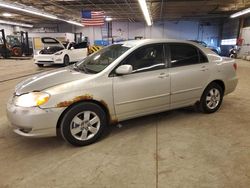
84, 68
79, 69
75, 67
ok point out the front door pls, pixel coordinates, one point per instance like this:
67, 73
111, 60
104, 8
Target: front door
147, 89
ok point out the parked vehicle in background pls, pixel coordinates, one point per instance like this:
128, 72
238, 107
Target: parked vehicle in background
233, 52
120, 82
14, 46
56, 52
215, 49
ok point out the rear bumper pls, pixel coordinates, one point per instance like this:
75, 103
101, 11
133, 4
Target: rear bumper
230, 85
33, 122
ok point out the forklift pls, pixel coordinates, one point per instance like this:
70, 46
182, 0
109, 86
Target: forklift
15, 45
19, 44
4, 48
78, 37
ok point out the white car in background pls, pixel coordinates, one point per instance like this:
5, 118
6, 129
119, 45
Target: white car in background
56, 52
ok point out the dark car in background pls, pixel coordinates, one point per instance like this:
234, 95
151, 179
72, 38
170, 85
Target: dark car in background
213, 48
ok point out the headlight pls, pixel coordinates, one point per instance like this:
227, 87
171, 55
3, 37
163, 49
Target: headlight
59, 53
32, 99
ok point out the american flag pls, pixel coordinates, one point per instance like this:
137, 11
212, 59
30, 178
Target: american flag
92, 18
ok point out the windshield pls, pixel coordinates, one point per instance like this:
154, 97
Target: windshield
12, 40
100, 60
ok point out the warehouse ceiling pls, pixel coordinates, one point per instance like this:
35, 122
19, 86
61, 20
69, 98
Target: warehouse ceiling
130, 10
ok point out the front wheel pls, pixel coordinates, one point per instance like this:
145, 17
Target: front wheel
83, 124
211, 98
66, 60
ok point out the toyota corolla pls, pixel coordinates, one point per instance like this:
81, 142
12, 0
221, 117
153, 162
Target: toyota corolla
120, 82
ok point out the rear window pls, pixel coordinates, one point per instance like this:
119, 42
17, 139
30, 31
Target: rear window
49, 40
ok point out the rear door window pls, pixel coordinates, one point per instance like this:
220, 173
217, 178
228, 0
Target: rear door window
185, 54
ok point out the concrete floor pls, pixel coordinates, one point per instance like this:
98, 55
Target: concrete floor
174, 149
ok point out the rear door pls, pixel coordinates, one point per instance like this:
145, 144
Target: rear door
147, 89
189, 72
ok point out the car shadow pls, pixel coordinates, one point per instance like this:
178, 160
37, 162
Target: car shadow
147, 121
111, 131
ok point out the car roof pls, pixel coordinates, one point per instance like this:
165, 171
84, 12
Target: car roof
133, 43
142, 42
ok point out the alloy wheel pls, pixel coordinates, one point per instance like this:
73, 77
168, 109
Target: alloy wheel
213, 98
85, 125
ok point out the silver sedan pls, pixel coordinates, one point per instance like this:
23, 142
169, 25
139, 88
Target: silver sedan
120, 82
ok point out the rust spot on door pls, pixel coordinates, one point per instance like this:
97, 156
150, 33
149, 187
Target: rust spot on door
113, 120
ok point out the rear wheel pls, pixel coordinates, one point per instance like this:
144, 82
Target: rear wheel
211, 98
83, 124
66, 60
232, 56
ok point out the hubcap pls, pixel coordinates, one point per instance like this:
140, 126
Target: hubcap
213, 98
85, 125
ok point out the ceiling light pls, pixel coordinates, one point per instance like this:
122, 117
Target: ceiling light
240, 13
7, 14
74, 23
30, 11
145, 11
108, 19
15, 23
71, 22
23, 8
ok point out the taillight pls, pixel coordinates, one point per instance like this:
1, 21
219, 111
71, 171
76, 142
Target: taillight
235, 66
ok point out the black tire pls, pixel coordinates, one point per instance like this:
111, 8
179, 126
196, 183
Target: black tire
232, 56
204, 102
39, 65
67, 124
66, 60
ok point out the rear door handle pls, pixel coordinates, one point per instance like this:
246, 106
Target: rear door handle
204, 68
163, 75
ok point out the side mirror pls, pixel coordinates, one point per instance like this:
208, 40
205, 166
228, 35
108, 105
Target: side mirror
124, 69
72, 48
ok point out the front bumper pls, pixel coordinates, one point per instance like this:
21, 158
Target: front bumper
33, 122
48, 59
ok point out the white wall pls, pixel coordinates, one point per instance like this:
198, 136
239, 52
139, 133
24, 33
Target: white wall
8, 30
186, 30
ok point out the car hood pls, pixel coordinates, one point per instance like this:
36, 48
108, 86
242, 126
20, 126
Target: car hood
49, 79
